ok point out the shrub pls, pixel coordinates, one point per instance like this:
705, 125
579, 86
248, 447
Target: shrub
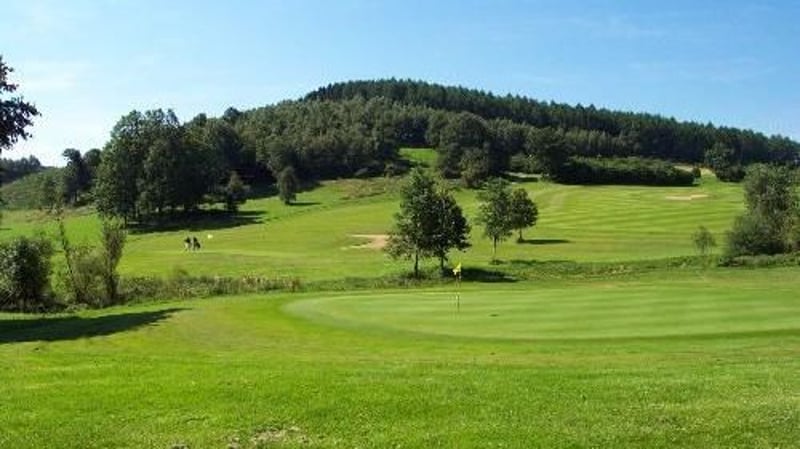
25, 274
752, 235
629, 170
769, 226
113, 242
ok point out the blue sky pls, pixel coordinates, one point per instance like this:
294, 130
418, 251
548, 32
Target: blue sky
86, 63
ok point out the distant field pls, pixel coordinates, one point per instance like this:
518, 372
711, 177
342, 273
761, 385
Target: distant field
690, 360
315, 240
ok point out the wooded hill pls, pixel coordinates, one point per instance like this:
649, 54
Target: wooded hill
636, 134
154, 163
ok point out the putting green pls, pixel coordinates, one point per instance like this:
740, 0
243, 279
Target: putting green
693, 306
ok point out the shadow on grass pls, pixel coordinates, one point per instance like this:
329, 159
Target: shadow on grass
543, 241
539, 263
200, 221
303, 203
75, 327
484, 275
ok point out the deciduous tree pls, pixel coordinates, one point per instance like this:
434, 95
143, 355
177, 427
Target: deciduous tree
429, 223
287, 185
769, 224
704, 242
15, 113
494, 212
235, 192
523, 211
451, 230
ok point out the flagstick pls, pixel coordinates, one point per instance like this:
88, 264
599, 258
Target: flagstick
457, 274
458, 293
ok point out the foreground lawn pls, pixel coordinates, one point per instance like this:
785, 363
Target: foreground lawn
670, 360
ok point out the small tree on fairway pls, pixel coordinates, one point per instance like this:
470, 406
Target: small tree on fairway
494, 212
287, 185
523, 213
703, 241
451, 227
430, 222
415, 224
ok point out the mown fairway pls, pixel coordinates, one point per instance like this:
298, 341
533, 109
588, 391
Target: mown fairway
315, 239
693, 360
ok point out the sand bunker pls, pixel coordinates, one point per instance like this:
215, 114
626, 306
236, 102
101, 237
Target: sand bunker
688, 197
376, 241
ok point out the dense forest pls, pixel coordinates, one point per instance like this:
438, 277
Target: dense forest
154, 164
639, 134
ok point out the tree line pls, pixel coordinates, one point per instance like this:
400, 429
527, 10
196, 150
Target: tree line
640, 134
153, 166
13, 169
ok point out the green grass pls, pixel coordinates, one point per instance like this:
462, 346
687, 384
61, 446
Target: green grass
314, 241
626, 309
676, 357
422, 157
696, 360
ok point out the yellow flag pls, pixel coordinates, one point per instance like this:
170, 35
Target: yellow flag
457, 270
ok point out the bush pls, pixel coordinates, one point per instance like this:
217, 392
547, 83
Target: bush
25, 274
769, 226
629, 171
752, 235
82, 277
734, 173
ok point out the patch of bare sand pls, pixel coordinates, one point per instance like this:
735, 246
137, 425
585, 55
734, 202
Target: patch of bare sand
375, 241
697, 196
